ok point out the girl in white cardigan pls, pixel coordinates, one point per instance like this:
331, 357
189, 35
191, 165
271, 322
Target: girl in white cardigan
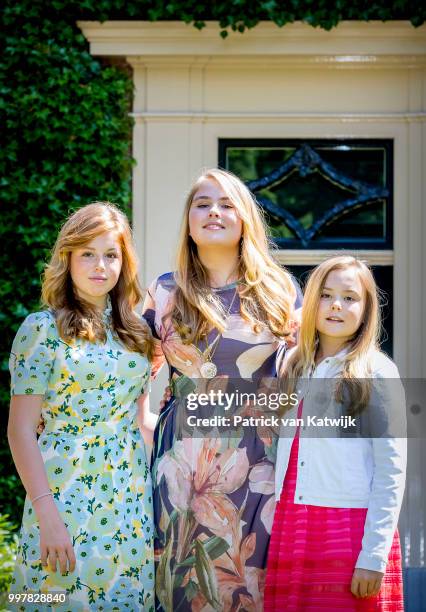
334, 543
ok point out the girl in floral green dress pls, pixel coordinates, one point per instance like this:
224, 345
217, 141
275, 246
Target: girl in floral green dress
83, 365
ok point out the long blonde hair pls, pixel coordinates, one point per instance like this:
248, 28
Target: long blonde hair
265, 289
75, 317
354, 383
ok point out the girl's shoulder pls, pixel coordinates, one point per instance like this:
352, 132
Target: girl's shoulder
167, 280
382, 365
43, 319
38, 329
299, 294
164, 281
159, 299
283, 356
167, 277
290, 352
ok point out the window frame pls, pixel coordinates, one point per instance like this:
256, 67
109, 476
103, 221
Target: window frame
377, 244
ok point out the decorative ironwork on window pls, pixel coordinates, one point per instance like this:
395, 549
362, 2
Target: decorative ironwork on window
319, 194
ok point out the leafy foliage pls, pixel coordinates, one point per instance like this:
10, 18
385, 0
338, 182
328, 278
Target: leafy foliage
8, 548
67, 129
67, 142
237, 15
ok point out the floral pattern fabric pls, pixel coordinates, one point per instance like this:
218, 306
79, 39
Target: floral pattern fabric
96, 467
213, 498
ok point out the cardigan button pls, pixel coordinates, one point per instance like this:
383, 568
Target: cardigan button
302, 463
300, 496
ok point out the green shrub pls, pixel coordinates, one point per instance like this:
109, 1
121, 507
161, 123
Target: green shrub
12, 494
8, 548
67, 142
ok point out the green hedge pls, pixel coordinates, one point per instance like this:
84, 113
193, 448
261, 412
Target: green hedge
67, 143
67, 130
8, 547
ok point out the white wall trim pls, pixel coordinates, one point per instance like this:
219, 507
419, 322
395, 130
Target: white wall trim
311, 257
290, 62
350, 39
411, 117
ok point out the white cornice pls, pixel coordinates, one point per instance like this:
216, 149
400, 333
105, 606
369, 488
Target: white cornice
349, 43
269, 62
271, 117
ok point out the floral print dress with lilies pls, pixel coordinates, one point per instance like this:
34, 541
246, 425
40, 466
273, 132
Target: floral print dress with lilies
213, 498
96, 467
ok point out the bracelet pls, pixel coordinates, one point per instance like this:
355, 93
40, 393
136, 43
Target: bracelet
40, 496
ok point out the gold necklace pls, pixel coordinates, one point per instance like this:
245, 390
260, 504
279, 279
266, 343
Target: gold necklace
209, 369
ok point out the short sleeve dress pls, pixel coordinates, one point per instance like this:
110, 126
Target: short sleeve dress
213, 498
96, 467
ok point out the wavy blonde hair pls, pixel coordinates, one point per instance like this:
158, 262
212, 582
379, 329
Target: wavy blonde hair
77, 318
266, 291
354, 386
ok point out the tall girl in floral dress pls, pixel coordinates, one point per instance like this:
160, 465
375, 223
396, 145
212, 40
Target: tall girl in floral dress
82, 364
224, 312
334, 544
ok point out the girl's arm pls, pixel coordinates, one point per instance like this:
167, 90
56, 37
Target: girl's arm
55, 543
148, 313
146, 419
382, 515
387, 489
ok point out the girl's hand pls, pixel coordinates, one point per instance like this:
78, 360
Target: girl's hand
166, 397
55, 545
41, 425
366, 583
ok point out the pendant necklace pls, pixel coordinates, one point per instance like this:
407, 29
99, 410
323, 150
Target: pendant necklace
208, 368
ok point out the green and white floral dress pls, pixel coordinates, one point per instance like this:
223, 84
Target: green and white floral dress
96, 466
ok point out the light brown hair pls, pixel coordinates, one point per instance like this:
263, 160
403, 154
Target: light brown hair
266, 292
75, 317
354, 384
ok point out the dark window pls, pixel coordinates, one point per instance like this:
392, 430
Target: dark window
323, 194
319, 194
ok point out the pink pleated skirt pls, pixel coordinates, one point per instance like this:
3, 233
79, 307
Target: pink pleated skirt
312, 556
